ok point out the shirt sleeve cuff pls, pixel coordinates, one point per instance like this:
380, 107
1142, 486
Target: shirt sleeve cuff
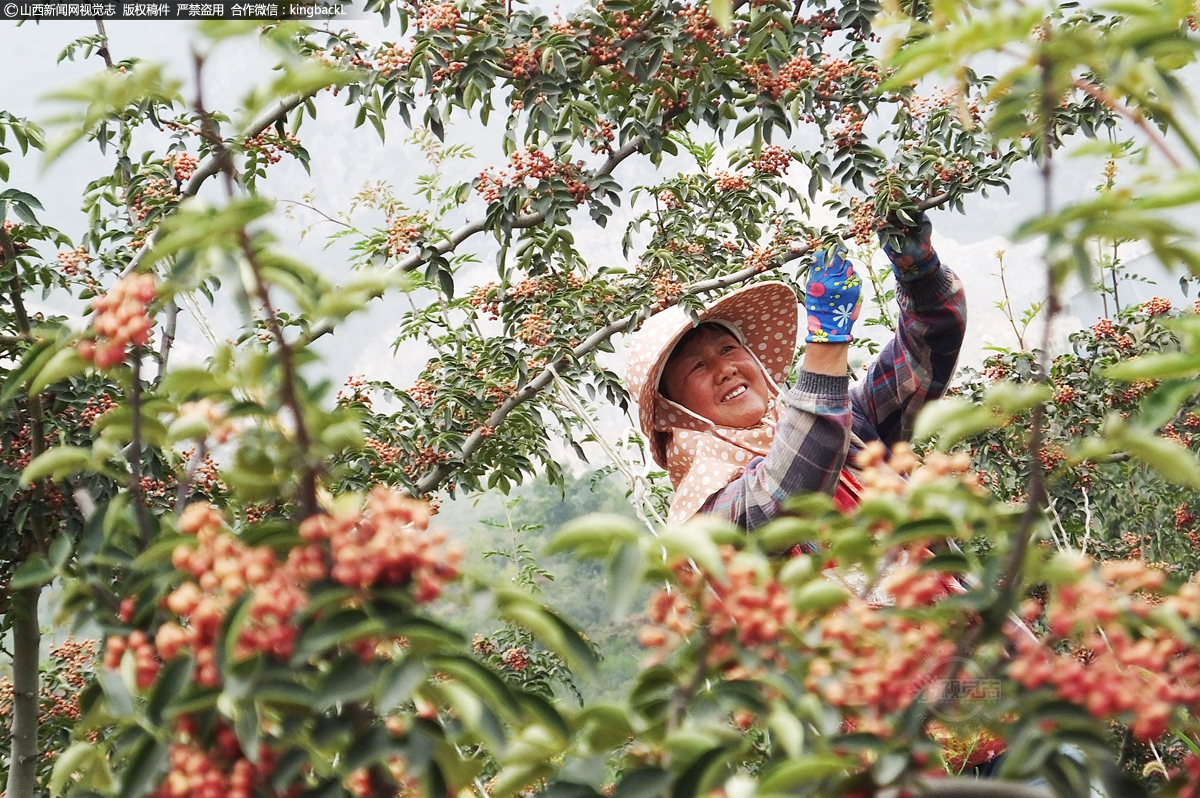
932, 290
821, 384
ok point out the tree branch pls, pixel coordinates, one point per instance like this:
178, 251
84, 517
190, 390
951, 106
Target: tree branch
24, 753
168, 338
308, 477
211, 165
1099, 95
135, 450
221, 161
460, 235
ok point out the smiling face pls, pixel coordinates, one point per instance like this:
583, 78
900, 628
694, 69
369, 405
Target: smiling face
712, 374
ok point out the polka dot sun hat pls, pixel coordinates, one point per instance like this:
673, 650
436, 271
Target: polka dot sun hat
766, 316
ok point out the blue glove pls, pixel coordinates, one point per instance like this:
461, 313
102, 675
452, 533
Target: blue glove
915, 258
832, 297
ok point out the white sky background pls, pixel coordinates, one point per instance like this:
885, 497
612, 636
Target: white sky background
344, 159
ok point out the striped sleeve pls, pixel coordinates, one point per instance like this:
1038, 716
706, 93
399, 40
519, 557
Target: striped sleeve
807, 453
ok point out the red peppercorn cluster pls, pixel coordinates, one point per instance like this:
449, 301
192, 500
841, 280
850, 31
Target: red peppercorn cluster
479, 299
271, 146
1171, 434
423, 459
537, 167
155, 193
1104, 329
762, 258
423, 392
184, 166
386, 544
386, 454
515, 659
73, 261
69, 668
220, 772
523, 60
666, 287
905, 470
220, 426
748, 609
224, 569
355, 390
402, 231
435, 16
391, 58
1183, 517
862, 220
786, 80
730, 181
1123, 675
873, 664
146, 662
121, 320
1156, 306
773, 160
1064, 394
601, 140
535, 330
962, 749
850, 131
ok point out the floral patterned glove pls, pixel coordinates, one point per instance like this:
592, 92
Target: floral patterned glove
832, 297
915, 258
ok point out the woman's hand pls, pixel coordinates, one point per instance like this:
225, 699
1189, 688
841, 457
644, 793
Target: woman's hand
832, 297
912, 256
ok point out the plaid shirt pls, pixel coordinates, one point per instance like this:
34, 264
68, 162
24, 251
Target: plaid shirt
825, 419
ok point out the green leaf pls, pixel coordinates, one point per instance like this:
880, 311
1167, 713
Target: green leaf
483, 682
336, 629
1171, 365
246, 726
604, 726
786, 730
65, 363
346, 680
34, 572
624, 576
57, 463
594, 535
785, 533
146, 768
820, 596
398, 681
951, 420
31, 363
550, 630
694, 540
1173, 462
172, 681
1161, 405
117, 699
722, 13
643, 783
797, 772
80, 757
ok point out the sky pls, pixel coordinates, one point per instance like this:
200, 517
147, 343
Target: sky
344, 160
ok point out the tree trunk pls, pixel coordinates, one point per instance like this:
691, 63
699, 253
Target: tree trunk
22, 765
